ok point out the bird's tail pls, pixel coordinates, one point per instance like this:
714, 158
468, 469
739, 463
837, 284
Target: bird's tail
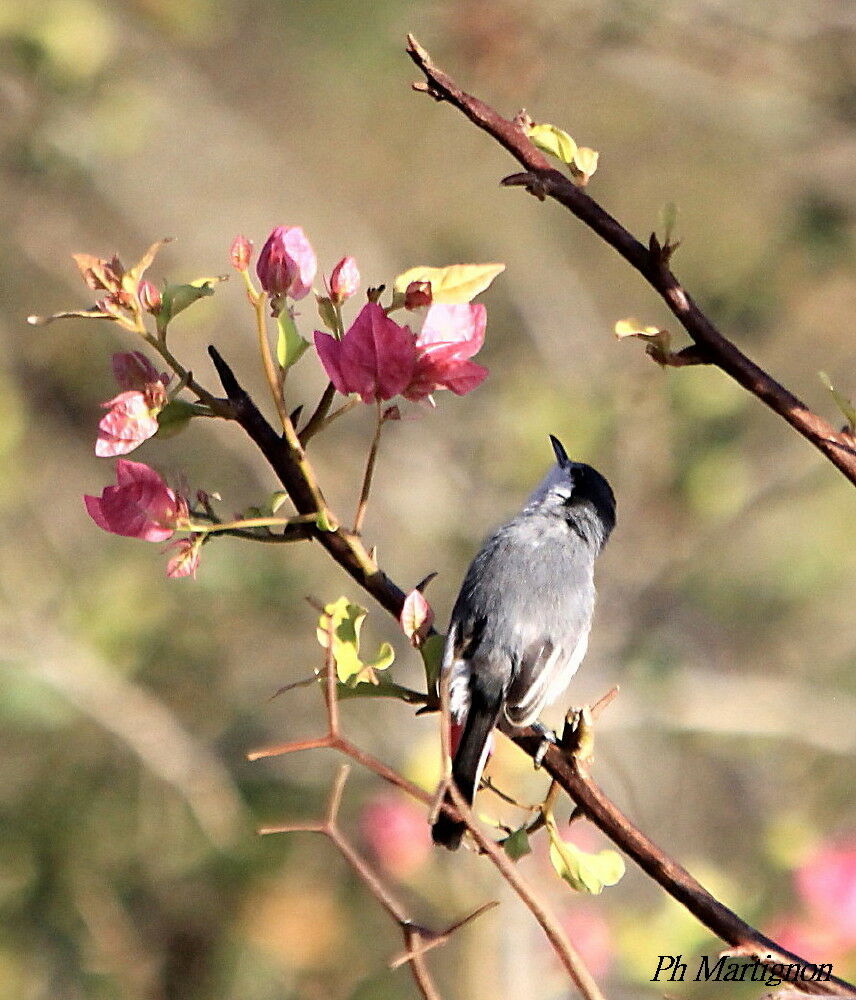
469, 761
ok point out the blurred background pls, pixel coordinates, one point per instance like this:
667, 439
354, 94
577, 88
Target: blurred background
129, 866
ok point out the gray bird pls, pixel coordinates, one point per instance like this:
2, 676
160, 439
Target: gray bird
520, 625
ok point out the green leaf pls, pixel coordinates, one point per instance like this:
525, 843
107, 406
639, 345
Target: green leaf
582, 871
516, 845
347, 621
174, 417
277, 500
384, 688
841, 401
177, 298
432, 657
456, 283
668, 221
327, 313
553, 140
289, 344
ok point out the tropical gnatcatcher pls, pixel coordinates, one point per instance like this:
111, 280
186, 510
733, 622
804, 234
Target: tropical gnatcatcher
520, 625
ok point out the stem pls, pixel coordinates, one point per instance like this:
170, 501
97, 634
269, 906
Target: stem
367, 478
184, 375
270, 369
316, 421
251, 522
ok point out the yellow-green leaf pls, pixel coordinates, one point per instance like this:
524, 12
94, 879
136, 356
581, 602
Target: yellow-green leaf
456, 283
582, 871
347, 620
585, 162
841, 401
553, 140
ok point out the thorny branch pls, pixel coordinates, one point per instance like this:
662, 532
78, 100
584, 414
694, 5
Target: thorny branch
417, 940
298, 479
652, 262
422, 940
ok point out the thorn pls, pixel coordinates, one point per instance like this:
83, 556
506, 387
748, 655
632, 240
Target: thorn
423, 583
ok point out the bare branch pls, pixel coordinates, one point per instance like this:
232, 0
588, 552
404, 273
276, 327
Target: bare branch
651, 262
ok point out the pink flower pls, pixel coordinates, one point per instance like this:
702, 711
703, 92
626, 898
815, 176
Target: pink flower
287, 264
140, 505
132, 416
133, 370
149, 296
345, 280
240, 253
376, 358
185, 562
397, 834
450, 336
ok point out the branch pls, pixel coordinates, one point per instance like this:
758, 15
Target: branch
298, 478
569, 772
651, 262
422, 940
417, 940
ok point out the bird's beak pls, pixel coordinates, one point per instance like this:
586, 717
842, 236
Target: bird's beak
559, 451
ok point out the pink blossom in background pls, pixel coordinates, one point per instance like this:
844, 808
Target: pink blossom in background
185, 562
397, 833
449, 337
132, 415
375, 359
826, 883
590, 934
140, 505
807, 938
345, 280
287, 263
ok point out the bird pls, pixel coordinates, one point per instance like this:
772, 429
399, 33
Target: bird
520, 626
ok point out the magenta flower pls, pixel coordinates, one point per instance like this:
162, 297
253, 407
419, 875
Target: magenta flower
132, 415
450, 336
287, 264
345, 280
140, 505
376, 358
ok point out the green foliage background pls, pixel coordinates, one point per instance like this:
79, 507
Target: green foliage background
128, 863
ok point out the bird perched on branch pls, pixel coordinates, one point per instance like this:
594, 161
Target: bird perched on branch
520, 625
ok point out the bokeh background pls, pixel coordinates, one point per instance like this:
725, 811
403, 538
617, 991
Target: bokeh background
129, 866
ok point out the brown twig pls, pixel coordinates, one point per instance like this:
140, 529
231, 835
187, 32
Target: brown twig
568, 771
417, 940
334, 739
651, 262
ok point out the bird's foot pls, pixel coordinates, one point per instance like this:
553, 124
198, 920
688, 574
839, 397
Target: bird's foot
547, 737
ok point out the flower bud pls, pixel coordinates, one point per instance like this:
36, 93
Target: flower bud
149, 296
286, 264
345, 280
240, 253
417, 294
